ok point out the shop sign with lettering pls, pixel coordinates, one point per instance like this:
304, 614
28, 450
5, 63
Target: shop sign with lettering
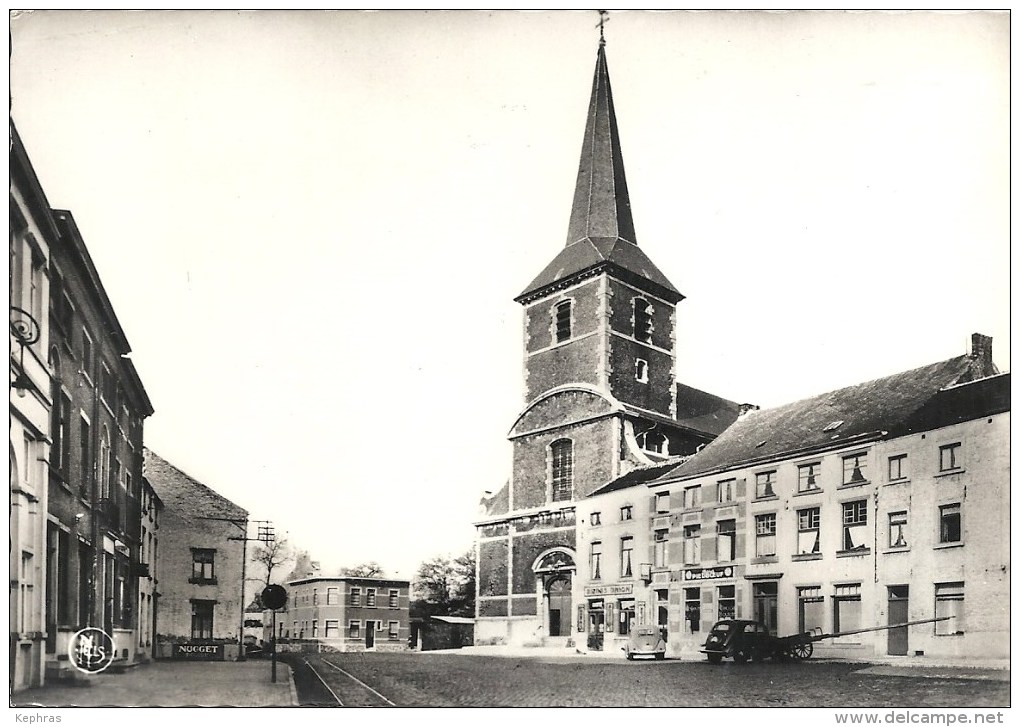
195, 652
617, 589
705, 574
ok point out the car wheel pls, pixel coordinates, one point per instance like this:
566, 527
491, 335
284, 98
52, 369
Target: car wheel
741, 656
714, 658
630, 657
660, 656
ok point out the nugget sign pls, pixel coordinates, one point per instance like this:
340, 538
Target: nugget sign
91, 650
198, 652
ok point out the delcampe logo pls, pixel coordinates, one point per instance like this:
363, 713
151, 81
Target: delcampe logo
91, 650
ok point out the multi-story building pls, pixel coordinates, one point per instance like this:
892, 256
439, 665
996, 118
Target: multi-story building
601, 397
148, 573
200, 609
348, 613
32, 234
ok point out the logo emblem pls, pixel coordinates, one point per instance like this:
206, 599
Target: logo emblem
91, 650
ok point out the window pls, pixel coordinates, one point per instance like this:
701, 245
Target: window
765, 535
84, 489
596, 560
202, 619
855, 468
315, 629
692, 497
692, 609
641, 370
562, 312
354, 629
642, 320
811, 608
64, 432
627, 613
332, 629
626, 557
627, 512
107, 386
662, 502
315, 596
653, 442
727, 490
807, 476
763, 484
355, 596
808, 522
596, 518
727, 602
370, 597
86, 354
394, 598
104, 464
394, 630
898, 530
855, 525
692, 544
26, 589
562, 453
661, 545
949, 457
332, 596
898, 467
202, 565
949, 605
950, 524
846, 602
726, 537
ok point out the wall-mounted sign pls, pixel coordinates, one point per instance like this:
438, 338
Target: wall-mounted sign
198, 652
705, 574
616, 589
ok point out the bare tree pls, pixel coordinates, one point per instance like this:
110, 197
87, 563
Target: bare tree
371, 569
269, 558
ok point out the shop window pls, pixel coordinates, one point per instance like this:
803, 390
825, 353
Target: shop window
846, 602
596, 560
949, 457
561, 453
726, 532
727, 602
855, 469
394, 598
355, 596
764, 484
692, 609
692, 497
642, 320
727, 490
898, 467
811, 608
950, 524
898, 530
203, 561
808, 531
394, 631
855, 525
202, 619
949, 605
765, 535
626, 557
692, 544
808, 476
562, 315
354, 629
596, 518
661, 545
626, 616
627, 512
641, 370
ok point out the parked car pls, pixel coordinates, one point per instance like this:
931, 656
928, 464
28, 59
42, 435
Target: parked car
645, 641
741, 640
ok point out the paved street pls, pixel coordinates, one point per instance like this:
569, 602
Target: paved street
449, 679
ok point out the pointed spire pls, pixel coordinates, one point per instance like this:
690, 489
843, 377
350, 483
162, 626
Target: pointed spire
601, 206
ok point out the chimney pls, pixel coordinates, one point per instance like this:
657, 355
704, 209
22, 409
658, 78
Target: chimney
744, 409
981, 348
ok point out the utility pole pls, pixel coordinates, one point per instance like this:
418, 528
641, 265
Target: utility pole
265, 534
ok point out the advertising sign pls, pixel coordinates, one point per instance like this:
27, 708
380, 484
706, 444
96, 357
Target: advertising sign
705, 574
198, 652
617, 589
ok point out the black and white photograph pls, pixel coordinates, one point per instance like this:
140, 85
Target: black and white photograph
510, 358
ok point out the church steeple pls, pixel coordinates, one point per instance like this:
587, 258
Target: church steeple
600, 235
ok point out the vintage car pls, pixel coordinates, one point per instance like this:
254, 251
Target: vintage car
741, 640
645, 641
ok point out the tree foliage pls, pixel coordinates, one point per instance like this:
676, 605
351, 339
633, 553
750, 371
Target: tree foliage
445, 586
371, 569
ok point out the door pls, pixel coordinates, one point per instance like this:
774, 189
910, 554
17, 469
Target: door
369, 634
766, 605
596, 629
899, 608
559, 607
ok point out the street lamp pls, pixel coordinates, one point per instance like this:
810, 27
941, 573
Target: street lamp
26, 332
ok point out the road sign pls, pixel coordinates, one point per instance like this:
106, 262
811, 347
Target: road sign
274, 597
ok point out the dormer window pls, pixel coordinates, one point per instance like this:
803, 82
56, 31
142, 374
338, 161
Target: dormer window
653, 442
642, 320
562, 315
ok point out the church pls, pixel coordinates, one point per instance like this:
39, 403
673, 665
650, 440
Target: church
601, 392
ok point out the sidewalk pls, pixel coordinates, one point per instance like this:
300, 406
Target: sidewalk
173, 684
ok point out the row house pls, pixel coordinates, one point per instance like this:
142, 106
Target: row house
148, 571
874, 505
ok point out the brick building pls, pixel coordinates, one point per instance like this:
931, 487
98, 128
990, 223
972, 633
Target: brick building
347, 613
148, 571
199, 612
600, 394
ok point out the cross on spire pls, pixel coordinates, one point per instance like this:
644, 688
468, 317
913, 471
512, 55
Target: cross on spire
603, 19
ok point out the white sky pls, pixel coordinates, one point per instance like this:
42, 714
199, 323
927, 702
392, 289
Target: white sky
312, 225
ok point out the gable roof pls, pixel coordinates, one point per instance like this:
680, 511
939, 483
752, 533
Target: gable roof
890, 406
640, 476
704, 412
185, 494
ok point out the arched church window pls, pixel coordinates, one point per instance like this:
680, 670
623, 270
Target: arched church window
562, 454
563, 327
642, 320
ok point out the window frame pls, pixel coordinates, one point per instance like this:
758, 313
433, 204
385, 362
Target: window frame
813, 524
726, 490
642, 319
561, 470
860, 466
660, 548
761, 537
627, 556
595, 518
808, 475
354, 628
662, 503
955, 452
899, 530
726, 530
200, 558
692, 544
770, 482
563, 334
393, 634
951, 591
641, 370
371, 598
356, 596
855, 515
394, 598
626, 513
900, 463
197, 603
692, 497
950, 509
730, 598
595, 560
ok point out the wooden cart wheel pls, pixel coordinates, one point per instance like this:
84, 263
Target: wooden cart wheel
802, 650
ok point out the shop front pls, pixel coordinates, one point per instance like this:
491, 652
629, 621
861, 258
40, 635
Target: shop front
610, 612
707, 595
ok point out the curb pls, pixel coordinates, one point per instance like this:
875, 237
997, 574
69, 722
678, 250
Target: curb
293, 688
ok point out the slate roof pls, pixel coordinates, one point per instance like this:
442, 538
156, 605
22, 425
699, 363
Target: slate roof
894, 404
640, 476
184, 494
601, 230
704, 412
